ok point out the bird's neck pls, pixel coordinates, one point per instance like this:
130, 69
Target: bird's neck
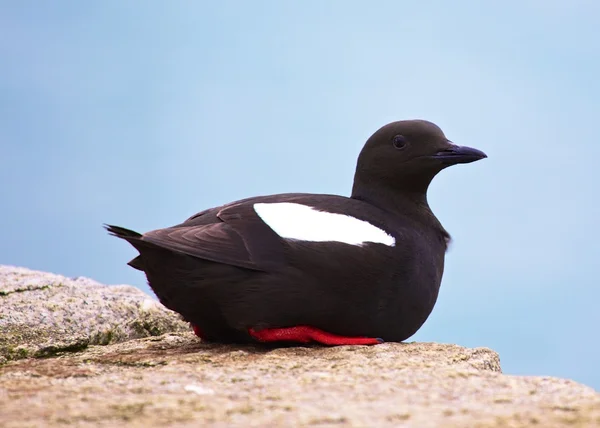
407, 201
393, 199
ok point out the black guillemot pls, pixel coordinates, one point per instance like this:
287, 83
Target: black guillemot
302, 267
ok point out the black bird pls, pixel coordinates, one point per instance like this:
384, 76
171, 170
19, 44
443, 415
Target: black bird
303, 267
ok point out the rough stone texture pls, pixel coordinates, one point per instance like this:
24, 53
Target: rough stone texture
54, 373
177, 381
42, 313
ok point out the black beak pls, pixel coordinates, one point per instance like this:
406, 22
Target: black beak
459, 154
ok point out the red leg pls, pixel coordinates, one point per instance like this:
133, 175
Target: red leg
198, 332
305, 334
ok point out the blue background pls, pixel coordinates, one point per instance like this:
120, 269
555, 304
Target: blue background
141, 113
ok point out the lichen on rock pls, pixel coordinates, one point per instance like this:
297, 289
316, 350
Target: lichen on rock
44, 314
176, 380
80, 353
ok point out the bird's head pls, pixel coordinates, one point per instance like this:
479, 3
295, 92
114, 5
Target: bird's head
408, 154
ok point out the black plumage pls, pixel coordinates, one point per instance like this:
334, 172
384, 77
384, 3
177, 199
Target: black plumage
227, 271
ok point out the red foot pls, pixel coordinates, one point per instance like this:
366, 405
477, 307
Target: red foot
198, 332
305, 334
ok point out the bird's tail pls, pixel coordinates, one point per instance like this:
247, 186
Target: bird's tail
121, 232
133, 238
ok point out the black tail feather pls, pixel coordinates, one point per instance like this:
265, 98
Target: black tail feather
133, 238
137, 263
121, 232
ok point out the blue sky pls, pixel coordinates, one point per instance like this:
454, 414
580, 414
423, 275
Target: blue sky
141, 113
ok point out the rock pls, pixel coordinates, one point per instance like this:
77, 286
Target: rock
55, 372
176, 380
43, 313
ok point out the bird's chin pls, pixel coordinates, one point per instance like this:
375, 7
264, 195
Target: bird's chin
458, 154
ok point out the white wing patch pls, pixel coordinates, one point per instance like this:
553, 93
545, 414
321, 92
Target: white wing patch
297, 221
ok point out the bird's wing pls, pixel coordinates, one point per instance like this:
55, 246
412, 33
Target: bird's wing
233, 235
239, 235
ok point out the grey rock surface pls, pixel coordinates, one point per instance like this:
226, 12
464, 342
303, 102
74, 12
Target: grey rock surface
177, 381
75, 352
43, 313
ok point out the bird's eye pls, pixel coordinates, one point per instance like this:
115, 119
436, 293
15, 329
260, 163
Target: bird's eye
399, 142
